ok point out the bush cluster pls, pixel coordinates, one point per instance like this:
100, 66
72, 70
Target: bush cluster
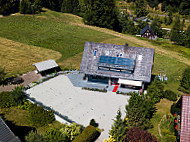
38, 116
170, 95
135, 134
6, 100
90, 134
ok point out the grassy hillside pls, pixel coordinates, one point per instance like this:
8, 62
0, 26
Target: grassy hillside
49, 30
18, 58
67, 34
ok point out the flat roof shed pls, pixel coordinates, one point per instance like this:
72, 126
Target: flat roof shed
45, 65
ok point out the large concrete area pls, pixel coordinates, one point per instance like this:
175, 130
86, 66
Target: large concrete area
80, 105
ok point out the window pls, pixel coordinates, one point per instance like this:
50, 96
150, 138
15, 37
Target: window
120, 55
95, 51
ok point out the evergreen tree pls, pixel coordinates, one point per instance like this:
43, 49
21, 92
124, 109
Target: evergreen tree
118, 130
155, 91
170, 17
8, 6
185, 81
102, 13
176, 23
139, 111
140, 9
164, 6
69, 6
182, 24
187, 37
156, 26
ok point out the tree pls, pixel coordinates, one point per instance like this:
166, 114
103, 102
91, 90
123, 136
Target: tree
176, 23
185, 81
8, 6
30, 6
140, 9
2, 75
155, 91
170, 17
102, 13
69, 6
139, 111
187, 37
118, 129
136, 135
156, 26
18, 95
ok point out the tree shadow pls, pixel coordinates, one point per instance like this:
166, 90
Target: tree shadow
20, 131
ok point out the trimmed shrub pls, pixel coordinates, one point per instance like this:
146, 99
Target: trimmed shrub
93, 123
38, 116
170, 95
90, 134
6, 100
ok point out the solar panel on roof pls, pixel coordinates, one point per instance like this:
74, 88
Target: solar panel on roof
116, 60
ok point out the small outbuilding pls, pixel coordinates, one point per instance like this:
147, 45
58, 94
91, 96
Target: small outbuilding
147, 32
47, 67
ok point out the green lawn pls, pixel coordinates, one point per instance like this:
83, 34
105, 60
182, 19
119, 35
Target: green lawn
49, 30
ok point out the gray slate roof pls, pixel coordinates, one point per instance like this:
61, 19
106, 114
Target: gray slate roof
6, 135
45, 65
147, 27
143, 60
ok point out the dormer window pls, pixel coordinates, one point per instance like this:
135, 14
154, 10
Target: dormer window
120, 55
95, 51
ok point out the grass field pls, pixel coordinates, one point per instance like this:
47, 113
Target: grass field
17, 58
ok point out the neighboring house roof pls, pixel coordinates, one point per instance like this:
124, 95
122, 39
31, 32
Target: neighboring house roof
137, 60
6, 135
147, 27
45, 65
185, 119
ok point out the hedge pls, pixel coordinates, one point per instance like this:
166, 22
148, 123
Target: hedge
89, 134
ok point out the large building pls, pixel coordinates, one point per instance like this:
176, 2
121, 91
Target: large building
129, 67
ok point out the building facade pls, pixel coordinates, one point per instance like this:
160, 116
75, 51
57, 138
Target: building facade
128, 67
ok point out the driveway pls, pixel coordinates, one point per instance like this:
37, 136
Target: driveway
29, 77
80, 105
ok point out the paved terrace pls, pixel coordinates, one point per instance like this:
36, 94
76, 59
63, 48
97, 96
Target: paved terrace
80, 105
